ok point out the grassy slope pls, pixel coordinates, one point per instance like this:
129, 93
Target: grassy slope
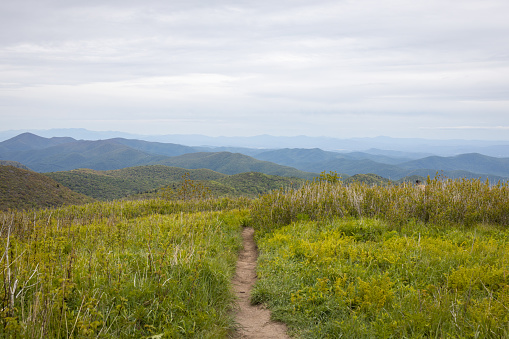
389, 261
24, 189
120, 270
432, 267
365, 279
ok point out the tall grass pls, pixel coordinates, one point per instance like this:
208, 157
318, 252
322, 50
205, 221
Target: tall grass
120, 269
359, 261
441, 201
360, 278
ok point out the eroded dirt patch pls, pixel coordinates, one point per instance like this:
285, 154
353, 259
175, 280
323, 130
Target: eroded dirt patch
254, 320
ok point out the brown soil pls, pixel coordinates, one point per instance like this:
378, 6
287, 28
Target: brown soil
253, 320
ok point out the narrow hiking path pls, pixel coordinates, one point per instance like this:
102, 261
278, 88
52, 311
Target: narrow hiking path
254, 320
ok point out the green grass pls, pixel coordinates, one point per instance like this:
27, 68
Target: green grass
120, 270
362, 261
362, 278
441, 201
336, 260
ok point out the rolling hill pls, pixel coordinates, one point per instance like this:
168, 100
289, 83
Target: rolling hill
29, 141
14, 164
147, 180
233, 163
461, 166
99, 155
24, 189
471, 162
116, 184
158, 148
62, 154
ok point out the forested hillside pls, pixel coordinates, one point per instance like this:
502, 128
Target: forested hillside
24, 189
147, 181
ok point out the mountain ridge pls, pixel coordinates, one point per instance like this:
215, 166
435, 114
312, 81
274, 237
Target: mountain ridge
67, 153
443, 147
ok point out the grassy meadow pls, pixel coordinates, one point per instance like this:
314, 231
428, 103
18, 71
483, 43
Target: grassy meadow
386, 262
120, 270
336, 261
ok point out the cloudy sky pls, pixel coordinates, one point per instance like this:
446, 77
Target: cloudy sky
344, 68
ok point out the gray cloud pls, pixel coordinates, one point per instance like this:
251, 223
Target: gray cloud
309, 68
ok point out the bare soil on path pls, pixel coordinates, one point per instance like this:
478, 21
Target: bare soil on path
253, 320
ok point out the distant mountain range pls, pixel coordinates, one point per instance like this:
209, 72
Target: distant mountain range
64, 153
388, 146
471, 165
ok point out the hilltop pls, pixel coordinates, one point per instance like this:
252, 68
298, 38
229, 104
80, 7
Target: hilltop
14, 164
24, 189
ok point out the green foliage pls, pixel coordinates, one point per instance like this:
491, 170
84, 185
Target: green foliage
362, 278
331, 177
254, 184
188, 190
117, 270
368, 179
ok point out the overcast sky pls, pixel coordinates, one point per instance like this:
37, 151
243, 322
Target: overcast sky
353, 68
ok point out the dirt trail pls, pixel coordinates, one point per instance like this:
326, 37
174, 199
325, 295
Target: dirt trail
254, 321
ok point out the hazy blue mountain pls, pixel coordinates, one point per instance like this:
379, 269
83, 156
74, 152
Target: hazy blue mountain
299, 157
98, 155
75, 133
65, 153
317, 160
408, 145
397, 155
120, 153
472, 162
167, 149
337, 144
243, 150
394, 168
29, 141
233, 163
